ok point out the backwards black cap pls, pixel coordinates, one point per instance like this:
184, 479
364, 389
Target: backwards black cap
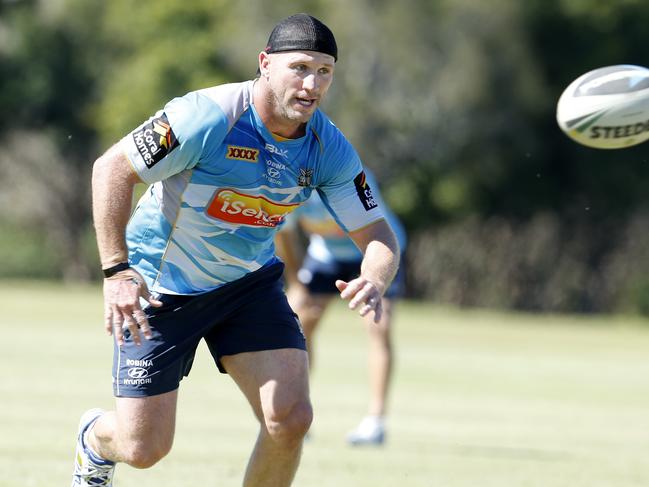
302, 32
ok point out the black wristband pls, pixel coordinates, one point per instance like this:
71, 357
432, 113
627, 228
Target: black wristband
111, 271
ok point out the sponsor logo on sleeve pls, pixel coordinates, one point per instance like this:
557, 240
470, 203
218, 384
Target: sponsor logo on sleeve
154, 140
364, 192
247, 154
256, 211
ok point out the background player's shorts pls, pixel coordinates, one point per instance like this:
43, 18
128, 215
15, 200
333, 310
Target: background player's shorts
247, 315
320, 277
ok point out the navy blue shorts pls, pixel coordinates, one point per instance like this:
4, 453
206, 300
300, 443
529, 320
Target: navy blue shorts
247, 315
320, 277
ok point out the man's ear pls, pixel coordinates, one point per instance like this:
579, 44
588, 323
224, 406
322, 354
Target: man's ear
264, 62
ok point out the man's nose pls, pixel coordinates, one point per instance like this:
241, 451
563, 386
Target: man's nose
310, 82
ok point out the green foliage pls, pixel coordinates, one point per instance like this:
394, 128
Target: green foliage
161, 51
451, 102
543, 264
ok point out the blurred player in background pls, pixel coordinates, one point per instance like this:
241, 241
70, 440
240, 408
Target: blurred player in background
311, 285
196, 260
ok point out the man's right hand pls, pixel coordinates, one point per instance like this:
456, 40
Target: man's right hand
122, 309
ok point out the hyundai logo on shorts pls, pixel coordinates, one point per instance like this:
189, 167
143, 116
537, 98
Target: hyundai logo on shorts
272, 172
137, 372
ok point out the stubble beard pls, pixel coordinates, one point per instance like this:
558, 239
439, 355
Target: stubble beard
285, 112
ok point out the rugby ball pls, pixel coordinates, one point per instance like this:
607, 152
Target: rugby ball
607, 108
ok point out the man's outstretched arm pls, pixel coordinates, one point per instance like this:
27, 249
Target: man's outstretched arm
380, 263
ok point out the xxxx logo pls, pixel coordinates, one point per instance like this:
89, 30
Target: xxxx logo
242, 153
230, 206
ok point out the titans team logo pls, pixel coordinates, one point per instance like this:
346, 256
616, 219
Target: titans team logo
304, 179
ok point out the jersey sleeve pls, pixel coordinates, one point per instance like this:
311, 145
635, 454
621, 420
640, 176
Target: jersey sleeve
176, 138
345, 191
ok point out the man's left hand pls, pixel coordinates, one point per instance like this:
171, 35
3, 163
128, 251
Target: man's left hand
363, 295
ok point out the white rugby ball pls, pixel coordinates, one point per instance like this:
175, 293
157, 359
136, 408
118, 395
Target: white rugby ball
607, 108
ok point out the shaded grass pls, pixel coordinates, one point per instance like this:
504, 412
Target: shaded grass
479, 398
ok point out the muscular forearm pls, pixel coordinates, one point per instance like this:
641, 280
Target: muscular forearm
380, 262
113, 179
380, 253
112, 193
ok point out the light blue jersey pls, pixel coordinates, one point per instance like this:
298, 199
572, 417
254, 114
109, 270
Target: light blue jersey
328, 242
222, 185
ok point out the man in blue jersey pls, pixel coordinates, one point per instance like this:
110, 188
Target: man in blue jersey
195, 261
311, 285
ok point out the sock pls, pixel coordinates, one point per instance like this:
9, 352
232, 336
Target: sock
94, 456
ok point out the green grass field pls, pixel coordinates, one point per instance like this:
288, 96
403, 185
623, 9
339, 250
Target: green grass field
479, 399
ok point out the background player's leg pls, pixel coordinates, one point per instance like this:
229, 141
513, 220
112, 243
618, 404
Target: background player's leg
309, 308
380, 358
275, 382
371, 430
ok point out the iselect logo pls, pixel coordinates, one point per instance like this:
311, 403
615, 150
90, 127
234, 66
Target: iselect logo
257, 211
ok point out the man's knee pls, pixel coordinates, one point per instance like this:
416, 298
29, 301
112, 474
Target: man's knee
144, 428
146, 453
287, 426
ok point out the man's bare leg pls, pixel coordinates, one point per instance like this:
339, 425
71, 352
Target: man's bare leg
139, 432
276, 384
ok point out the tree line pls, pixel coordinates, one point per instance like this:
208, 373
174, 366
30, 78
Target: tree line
450, 102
